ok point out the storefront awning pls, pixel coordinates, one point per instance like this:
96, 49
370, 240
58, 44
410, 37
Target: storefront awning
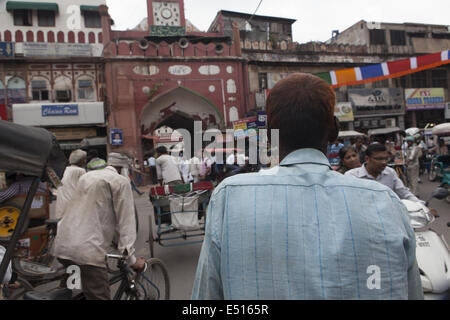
384, 131
18, 5
89, 8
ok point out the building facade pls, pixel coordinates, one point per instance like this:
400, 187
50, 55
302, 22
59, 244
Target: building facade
167, 73
52, 76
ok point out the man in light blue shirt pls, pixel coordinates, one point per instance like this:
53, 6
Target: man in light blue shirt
301, 230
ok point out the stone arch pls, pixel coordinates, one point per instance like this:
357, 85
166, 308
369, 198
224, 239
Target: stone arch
180, 100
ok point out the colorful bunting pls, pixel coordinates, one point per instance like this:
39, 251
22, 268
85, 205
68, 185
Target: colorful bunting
386, 70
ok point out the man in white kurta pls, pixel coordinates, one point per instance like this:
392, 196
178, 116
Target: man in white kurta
72, 175
102, 204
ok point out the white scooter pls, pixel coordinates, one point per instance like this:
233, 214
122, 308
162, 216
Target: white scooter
433, 253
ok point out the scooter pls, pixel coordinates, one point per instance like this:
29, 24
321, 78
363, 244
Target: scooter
432, 252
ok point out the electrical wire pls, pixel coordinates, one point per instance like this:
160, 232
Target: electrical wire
254, 13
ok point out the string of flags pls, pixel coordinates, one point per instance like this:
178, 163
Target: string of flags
386, 70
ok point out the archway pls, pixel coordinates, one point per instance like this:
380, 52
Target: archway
179, 109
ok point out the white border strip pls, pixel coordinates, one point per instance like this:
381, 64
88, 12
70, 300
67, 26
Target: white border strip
333, 78
358, 74
385, 68
413, 63
444, 55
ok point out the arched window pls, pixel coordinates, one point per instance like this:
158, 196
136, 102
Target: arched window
81, 37
231, 86
51, 37
8, 36
16, 91
71, 37
19, 36
63, 89
91, 37
30, 36
234, 114
40, 36
61, 37
100, 37
40, 89
86, 89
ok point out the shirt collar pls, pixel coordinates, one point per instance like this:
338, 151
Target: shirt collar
362, 172
305, 156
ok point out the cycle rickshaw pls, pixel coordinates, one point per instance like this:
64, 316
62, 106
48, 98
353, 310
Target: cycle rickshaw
179, 214
440, 165
34, 155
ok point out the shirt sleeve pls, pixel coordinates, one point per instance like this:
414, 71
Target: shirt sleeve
125, 216
208, 281
403, 192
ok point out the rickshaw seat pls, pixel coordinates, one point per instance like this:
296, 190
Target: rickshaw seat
61, 294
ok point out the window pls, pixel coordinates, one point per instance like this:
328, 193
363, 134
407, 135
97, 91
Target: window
23, 17
85, 89
92, 19
377, 37
39, 90
398, 38
439, 78
63, 95
262, 81
419, 80
46, 18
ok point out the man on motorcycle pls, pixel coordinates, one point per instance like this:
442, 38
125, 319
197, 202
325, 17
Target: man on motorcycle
376, 168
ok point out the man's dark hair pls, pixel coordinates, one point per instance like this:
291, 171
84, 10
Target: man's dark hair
161, 150
374, 148
302, 108
92, 154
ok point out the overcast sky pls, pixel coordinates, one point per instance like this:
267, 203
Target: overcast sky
316, 19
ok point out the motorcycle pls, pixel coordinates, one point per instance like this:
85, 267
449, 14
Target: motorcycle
432, 251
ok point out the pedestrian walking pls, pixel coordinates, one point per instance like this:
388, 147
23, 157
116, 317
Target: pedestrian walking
69, 182
94, 162
102, 206
413, 153
152, 165
300, 230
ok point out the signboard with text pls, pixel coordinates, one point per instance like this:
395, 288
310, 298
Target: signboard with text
60, 110
369, 102
425, 99
344, 112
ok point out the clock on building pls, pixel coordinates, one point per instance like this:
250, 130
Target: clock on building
166, 14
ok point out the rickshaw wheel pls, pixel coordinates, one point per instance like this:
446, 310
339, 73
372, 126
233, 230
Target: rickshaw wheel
9, 215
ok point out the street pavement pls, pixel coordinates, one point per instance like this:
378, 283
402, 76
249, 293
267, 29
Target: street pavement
181, 261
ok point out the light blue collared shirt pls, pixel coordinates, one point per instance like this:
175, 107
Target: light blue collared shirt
303, 231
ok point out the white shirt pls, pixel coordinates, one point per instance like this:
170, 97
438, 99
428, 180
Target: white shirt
167, 169
194, 166
8, 272
102, 205
151, 162
389, 178
184, 170
230, 160
69, 181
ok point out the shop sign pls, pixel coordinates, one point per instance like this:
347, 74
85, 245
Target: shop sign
386, 101
60, 110
116, 137
344, 112
167, 31
242, 128
425, 99
370, 123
